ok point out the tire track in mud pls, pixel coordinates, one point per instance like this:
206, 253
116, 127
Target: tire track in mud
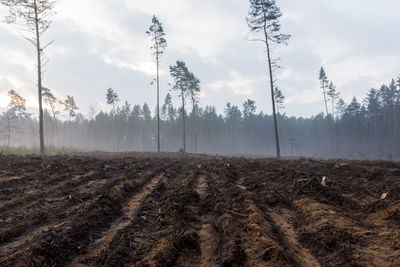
40, 212
37, 173
247, 236
129, 213
339, 239
280, 231
27, 199
64, 202
163, 231
31, 228
60, 243
207, 235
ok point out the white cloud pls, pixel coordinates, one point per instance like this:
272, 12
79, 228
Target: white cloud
236, 84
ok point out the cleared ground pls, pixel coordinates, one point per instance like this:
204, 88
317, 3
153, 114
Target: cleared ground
170, 210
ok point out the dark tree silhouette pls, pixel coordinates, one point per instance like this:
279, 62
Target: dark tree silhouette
193, 91
249, 108
324, 86
264, 16
279, 99
51, 101
16, 109
179, 73
32, 16
112, 99
156, 32
333, 95
70, 106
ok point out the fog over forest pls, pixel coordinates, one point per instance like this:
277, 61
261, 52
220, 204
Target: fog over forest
363, 127
367, 128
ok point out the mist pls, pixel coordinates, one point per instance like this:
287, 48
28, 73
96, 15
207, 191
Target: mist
359, 132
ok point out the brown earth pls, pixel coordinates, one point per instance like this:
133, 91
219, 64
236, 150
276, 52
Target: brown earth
171, 210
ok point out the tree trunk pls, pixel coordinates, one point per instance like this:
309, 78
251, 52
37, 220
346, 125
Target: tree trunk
39, 66
158, 104
9, 130
55, 122
184, 122
278, 149
195, 129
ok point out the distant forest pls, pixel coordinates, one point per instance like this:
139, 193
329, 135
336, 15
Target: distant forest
367, 129
360, 129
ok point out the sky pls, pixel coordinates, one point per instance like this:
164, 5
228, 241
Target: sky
102, 43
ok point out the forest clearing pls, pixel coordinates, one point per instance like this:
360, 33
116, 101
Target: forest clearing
199, 133
133, 209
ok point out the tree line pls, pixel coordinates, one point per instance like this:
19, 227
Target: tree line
358, 129
367, 129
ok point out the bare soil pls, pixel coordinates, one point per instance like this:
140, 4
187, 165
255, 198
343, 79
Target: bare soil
174, 210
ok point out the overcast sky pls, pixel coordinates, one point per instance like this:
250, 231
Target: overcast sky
102, 43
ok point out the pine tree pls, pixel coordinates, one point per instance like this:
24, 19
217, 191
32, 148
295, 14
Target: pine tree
179, 73
156, 32
324, 86
16, 110
70, 106
51, 101
279, 99
112, 99
263, 17
333, 95
193, 91
33, 17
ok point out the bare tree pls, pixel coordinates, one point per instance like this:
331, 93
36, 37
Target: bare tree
32, 17
156, 32
264, 16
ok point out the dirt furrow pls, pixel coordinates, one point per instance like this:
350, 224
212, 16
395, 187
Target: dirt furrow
281, 232
51, 217
129, 213
163, 230
207, 235
34, 195
59, 244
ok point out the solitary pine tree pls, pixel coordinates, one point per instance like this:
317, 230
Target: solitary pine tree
112, 99
179, 73
324, 86
156, 32
263, 17
325, 90
32, 16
